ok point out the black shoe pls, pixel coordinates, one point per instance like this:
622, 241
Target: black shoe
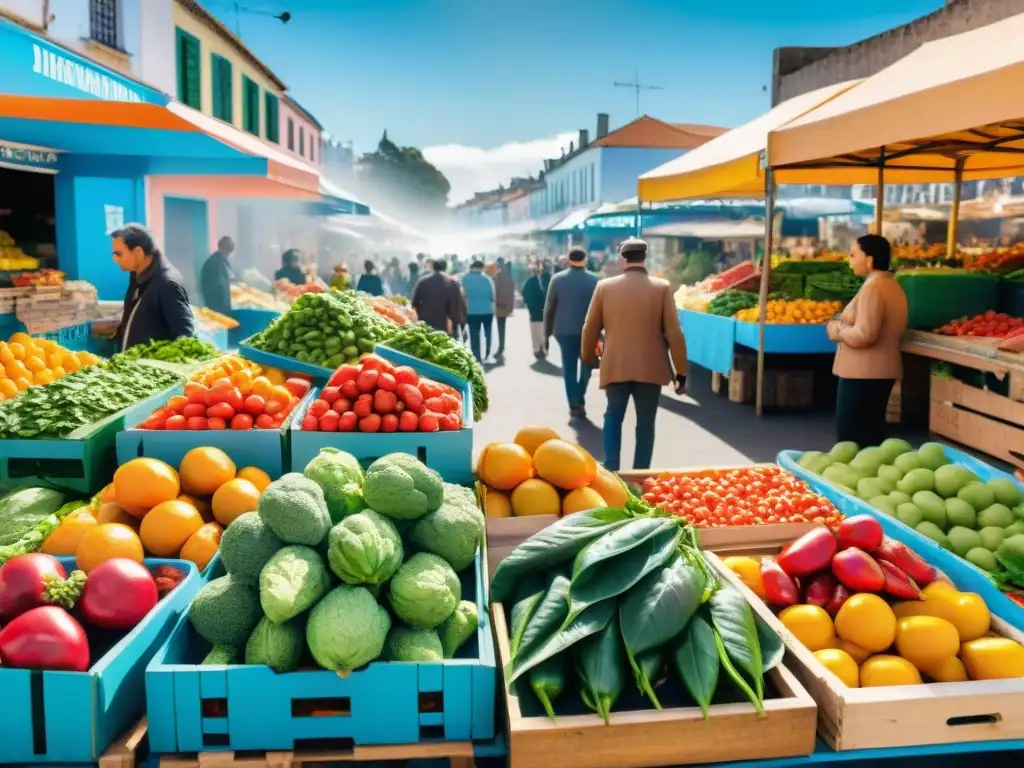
578, 411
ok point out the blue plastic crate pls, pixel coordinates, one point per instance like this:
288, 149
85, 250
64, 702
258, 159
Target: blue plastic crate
250, 322
785, 339
73, 337
449, 453
84, 461
194, 708
72, 717
263, 448
966, 576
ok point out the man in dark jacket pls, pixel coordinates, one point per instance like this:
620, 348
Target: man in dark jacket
565, 311
156, 304
433, 298
535, 291
215, 277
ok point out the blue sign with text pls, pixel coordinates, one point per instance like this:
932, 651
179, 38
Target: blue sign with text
28, 158
33, 66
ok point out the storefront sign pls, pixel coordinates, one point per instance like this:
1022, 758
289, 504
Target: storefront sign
31, 65
28, 158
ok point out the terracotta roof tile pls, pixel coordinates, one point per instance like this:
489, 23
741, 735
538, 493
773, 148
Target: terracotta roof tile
647, 131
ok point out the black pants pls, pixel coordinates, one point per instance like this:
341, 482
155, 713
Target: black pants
860, 410
501, 334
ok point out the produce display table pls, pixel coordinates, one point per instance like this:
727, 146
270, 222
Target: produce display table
785, 339
317, 373
709, 340
250, 321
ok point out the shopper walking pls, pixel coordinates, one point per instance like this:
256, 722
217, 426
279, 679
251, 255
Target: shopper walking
370, 282
479, 290
868, 357
435, 301
504, 302
215, 277
565, 311
535, 293
637, 315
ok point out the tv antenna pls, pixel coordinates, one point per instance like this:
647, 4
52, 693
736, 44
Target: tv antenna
637, 86
284, 17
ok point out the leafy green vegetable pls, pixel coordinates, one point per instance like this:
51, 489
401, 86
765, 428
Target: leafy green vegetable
592, 620
548, 617
21, 511
696, 660
734, 623
31, 539
547, 680
533, 592
772, 649
186, 349
84, 397
737, 678
600, 669
649, 666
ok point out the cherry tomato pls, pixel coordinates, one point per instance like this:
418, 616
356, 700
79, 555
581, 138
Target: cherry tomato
241, 421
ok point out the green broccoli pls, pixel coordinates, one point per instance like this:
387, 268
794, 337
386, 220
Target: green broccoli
246, 546
295, 509
455, 531
400, 486
225, 612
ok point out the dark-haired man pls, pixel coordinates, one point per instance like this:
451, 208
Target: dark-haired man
565, 309
215, 277
433, 298
156, 304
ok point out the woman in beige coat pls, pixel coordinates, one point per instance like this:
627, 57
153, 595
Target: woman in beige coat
868, 333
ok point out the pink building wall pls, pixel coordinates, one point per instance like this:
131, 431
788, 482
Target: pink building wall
312, 133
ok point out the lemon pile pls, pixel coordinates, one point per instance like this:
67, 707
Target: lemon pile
27, 362
797, 312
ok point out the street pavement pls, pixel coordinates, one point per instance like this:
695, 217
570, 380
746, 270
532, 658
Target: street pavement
698, 429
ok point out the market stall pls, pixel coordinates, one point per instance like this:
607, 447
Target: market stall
895, 127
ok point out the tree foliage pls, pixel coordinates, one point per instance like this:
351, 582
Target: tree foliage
404, 176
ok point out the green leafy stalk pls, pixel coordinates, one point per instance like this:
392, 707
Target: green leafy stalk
737, 678
64, 592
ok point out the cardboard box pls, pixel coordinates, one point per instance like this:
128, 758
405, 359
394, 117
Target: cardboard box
977, 418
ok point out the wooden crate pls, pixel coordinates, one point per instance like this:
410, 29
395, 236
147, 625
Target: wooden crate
977, 418
458, 755
645, 738
128, 750
896, 716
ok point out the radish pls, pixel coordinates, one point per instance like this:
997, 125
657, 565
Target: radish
23, 582
118, 594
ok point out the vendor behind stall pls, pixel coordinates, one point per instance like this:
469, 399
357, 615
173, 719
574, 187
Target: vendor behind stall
156, 305
215, 277
290, 269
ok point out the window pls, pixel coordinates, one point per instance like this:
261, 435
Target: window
593, 188
223, 93
312, 149
103, 22
291, 134
272, 129
189, 69
250, 106
302, 140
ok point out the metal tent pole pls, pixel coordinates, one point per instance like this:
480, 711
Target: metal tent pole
880, 192
766, 268
954, 210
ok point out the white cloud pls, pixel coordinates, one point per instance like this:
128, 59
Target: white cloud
472, 169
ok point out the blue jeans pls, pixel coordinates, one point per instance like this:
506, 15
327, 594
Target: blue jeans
645, 402
479, 323
575, 372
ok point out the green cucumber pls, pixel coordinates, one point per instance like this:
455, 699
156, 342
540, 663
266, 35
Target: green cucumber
547, 680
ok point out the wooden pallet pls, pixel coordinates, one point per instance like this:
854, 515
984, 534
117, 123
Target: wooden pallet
458, 754
126, 750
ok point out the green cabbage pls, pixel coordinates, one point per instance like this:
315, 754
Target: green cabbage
341, 479
413, 644
402, 487
347, 629
424, 591
279, 646
291, 582
454, 531
458, 628
364, 549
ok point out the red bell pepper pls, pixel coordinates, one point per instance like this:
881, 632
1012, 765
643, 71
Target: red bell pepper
908, 561
897, 583
809, 554
861, 531
779, 588
839, 596
858, 571
819, 589
45, 638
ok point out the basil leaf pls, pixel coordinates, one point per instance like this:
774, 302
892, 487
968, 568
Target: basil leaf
649, 667
660, 606
772, 648
600, 667
548, 617
696, 660
734, 622
737, 678
617, 542
591, 621
521, 613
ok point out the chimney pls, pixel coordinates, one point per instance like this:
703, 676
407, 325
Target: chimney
602, 125
584, 138
572, 147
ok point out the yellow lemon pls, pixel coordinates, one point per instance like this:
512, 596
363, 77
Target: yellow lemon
840, 664
880, 671
811, 625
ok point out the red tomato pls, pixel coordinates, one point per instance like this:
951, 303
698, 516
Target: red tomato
196, 393
370, 423
344, 373
221, 411
254, 405
177, 403
389, 423
194, 409
429, 422
367, 380
235, 400
265, 421
153, 422
406, 375
342, 404
318, 408
298, 387
198, 423
176, 422
274, 407
372, 362
408, 421
241, 422
348, 421
387, 382
330, 394
384, 401
363, 406
349, 390
215, 422
311, 423
219, 393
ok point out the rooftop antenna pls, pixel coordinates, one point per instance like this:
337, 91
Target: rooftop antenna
284, 17
637, 86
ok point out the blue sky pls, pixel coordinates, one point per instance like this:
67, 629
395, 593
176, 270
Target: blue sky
475, 75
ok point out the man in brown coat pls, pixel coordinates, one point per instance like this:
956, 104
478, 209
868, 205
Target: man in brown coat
504, 301
637, 314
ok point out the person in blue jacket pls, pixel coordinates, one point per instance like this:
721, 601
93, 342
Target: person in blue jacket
565, 311
369, 281
156, 305
479, 290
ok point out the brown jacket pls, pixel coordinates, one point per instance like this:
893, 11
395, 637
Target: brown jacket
870, 329
504, 294
641, 330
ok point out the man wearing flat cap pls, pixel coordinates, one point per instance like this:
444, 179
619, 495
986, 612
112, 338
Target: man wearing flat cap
644, 350
565, 310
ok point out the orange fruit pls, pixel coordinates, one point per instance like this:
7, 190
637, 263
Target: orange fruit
497, 504
202, 545
108, 494
8, 388
141, 484
105, 542
22, 383
256, 476
42, 377
535, 497
564, 464
274, 375
34, 364
168, 526
532, 437
611, 488
17, 350
261, 386
503, 466
202, 503
58, 372
234, 498
68, 535
243, 381
112, 512
582, 499
71, 364
5, 353
280, 393
203, 470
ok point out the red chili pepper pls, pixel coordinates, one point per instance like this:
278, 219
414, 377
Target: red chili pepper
819, 589
839, 596
809, 554
858, 571
779, 588
897, 583
908, 561
861, 531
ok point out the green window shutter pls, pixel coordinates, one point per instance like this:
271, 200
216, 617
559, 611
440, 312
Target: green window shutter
250, 106
189, 68
272, 117
223, 101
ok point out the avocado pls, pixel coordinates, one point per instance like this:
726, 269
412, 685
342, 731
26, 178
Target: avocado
951, 478
870, 487
883, 504
992, 537
932, 508
907, 462
962, 540
916, 480
899, 497
890, 474
959, 512
933, 532
1006, 490
932, 455
983, 559
978, 495
909, 514
868, 460
998, 515
894, 447
844, 452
